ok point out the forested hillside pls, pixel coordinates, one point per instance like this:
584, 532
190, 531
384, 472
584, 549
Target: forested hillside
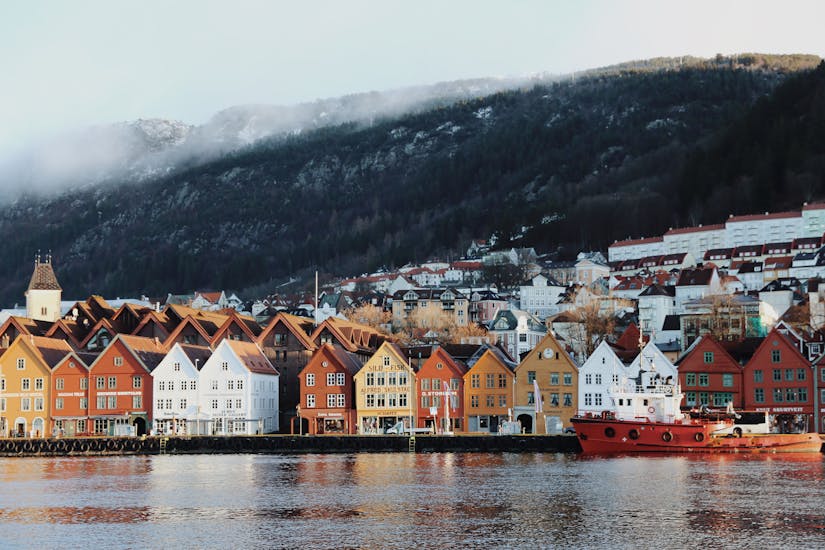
623, 152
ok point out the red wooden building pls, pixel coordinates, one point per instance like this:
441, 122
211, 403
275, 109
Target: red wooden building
710, 376
780, 380
120, 385
440, 379
328, 391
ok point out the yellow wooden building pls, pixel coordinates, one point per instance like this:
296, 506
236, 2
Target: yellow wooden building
385, 391
557, 376
488, 391
25, 382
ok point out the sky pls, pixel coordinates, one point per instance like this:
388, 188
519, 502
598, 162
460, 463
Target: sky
66, 65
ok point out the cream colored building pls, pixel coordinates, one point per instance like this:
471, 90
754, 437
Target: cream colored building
44, 293
385, 391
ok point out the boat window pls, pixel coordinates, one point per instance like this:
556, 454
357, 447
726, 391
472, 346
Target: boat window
621, 402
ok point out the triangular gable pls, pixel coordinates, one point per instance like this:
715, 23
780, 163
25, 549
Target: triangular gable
551, 341
68, 331
250, 356
81, 360
767, 342
188, 322
231, 321
159, 323
49, 351
293, 324
102, 326
706, 343
148, 352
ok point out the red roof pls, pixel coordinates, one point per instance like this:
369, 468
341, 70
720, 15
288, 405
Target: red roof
814, 206
765, 216
683, 230
630, 242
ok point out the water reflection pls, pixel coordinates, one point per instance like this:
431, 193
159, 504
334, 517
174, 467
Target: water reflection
405, 500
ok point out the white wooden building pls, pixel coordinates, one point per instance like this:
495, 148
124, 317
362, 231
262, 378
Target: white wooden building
601, 370
175, 386
239, 390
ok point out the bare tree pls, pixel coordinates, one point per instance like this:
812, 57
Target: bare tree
370, 315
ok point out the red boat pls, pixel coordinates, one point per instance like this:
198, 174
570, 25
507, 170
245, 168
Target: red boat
649, 419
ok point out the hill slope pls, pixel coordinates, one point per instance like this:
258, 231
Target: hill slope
579, 163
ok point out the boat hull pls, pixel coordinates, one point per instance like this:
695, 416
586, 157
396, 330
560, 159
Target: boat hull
606, 436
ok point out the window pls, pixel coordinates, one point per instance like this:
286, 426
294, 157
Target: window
757, 376
386, 360
84, 404
214, 384
777, 395
789, 375
230, 384
802, 395
311, 400
224, 365
58, 383
720, 399
21, 364
112, 382
588, 379
341, 400
176, 366
703, 379
239, 383
25, 384
703, 398
777, 375
227, 406
708, 357
598, 399
161, 385
101, 401
239, 403
554, 379
311, 379
502, 400
588, 400
425, 401
800, 374
490, 381
339, 379
502, 380
790, 395
330, 379
568, 379
84, 383
599, 379
118, 361
554, 399
491, 400
25, 404
474, 401
776, 356
531, 398
727, 380
759, 395
183, 384
370, 401
379, 379
112, 401
137, 402
330, 400
183, 404
193, 385
475, 382
425, 383
690, 379
531, 376
380, 400
215, 404
402, 378
137, 382
171, 385
58, 403
568, 399
2, 404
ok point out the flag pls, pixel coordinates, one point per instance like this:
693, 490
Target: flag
448, 393
537, 396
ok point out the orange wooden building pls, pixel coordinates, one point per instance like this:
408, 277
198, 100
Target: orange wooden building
440, 388
488, 390
328, 391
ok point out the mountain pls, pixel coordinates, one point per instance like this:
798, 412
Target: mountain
560, 164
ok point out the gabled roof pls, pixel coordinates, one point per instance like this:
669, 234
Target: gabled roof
103, 324
659, 290
709, 341
198, 355
43, 277
300, 327
50, 350
352, 336
148, 351
695, 277
251, 356
196, 324
246, 325
157, 318
74, 333
495, 352
346, 360
82, 358
24, 325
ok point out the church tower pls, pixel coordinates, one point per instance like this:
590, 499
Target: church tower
43, 295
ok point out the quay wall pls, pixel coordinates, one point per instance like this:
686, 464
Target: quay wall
285, 444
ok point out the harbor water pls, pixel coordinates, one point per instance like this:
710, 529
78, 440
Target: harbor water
406, 500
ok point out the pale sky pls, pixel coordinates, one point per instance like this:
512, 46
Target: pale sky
67, 64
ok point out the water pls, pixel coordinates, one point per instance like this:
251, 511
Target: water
413, 500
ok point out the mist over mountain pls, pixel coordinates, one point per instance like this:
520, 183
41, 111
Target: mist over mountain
260, 194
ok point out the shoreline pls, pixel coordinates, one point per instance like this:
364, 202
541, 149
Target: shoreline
286, 444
